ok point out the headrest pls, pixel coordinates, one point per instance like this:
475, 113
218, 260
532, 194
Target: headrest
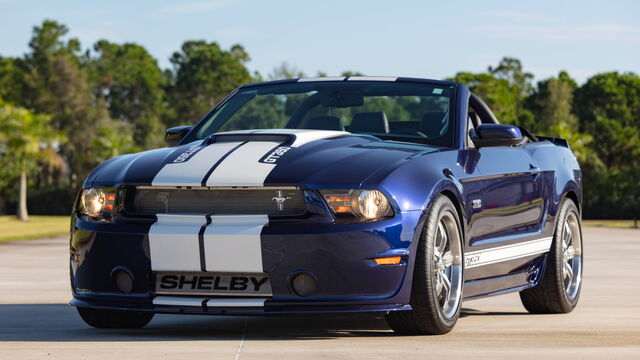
433, 123
324, 122
369, 122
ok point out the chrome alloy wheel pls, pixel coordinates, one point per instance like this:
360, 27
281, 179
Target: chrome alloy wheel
447, 260
571, 256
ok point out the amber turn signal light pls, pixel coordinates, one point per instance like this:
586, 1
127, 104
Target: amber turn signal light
391, 260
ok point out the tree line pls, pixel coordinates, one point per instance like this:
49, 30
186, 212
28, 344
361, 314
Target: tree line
65, 108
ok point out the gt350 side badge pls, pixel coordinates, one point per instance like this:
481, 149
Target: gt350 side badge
275, 155
192, 150
476, 203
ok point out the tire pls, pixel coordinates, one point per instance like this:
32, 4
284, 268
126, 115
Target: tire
559, 289
113, 319
435, 312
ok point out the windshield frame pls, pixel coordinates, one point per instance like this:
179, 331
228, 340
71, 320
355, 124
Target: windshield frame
452, 109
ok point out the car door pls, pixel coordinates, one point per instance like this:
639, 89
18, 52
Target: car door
509, 192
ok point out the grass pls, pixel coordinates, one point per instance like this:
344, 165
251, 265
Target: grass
620, 224
44, 226
37, 227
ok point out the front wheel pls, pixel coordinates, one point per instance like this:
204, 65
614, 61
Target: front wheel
436, 292
113, 319
559, 290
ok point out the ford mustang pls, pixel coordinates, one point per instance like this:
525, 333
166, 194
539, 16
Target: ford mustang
401, 196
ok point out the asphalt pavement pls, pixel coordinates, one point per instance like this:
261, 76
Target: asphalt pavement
36, 322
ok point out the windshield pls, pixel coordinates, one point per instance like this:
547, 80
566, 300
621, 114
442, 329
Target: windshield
388, 110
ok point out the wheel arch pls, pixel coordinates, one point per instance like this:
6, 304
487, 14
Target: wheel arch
571, 194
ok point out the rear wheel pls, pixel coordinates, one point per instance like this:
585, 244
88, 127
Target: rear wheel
559, 290
436, 292
113, 319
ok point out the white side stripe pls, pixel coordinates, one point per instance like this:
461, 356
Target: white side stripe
173, 242
507, 252
192, 171
232, 243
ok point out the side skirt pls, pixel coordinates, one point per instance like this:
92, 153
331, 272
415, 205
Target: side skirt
499, 285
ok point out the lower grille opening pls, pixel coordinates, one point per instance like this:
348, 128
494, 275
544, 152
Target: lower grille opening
283, 201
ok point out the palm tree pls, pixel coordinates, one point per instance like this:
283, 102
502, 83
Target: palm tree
26, 141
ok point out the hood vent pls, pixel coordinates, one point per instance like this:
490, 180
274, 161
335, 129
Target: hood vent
280, 138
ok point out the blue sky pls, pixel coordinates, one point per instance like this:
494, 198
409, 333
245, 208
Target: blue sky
400, 37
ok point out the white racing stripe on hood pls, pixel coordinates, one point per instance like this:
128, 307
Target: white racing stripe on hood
307, 136
192, 171
242, 167
232, 243
174, 243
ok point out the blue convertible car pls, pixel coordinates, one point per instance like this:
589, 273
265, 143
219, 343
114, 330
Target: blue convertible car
337, 194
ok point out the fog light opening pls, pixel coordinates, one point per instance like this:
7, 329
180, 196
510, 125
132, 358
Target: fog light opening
122, 279
304, 284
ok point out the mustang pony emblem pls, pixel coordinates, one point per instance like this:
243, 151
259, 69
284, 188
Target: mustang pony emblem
280, 199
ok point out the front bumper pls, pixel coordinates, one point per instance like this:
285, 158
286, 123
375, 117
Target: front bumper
338, 256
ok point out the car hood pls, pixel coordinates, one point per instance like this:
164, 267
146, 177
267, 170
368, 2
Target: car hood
311, 158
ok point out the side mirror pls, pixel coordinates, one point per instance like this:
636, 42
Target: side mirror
173, 135
497, 135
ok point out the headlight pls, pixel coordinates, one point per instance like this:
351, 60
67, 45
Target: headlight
368, 204
97, 203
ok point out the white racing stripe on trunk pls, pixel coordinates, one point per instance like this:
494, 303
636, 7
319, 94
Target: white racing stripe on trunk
232, 243
242, 167
173, 242
507, 252
229, 302
178, 301
192, 171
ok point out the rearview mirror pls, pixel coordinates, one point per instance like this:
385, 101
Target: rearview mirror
173, 135
497, 135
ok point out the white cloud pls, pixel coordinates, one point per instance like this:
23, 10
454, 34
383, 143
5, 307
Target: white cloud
194, 7
609, 33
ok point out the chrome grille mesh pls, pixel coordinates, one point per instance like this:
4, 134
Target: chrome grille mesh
146, 200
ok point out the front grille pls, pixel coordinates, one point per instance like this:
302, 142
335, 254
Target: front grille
284, 201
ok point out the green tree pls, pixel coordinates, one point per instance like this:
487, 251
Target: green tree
351, 73
203, 73
114, 140
608, 106
11, 80
285, 71
128, 78
25, 142
56, 84
511, 70
497, 93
